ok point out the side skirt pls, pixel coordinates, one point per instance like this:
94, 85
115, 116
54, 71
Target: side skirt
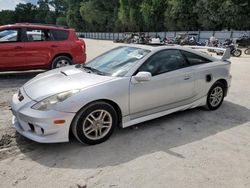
128, 122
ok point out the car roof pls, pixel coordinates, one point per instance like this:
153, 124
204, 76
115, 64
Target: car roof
30, 25
155, 48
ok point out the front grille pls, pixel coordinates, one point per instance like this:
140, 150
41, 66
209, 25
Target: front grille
20, 96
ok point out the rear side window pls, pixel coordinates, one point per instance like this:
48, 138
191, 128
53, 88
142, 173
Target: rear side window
194, 59
9, 35
34, 35
60, 35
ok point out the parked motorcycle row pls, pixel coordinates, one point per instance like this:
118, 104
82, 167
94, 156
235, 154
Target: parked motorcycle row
190, 39
142, 38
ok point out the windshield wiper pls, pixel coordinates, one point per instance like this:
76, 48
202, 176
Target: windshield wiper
93, 70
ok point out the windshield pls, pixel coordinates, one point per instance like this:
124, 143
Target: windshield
118, 61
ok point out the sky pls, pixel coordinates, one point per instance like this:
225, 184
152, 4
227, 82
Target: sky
11, 4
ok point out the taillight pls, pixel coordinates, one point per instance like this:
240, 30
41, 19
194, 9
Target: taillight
83, 46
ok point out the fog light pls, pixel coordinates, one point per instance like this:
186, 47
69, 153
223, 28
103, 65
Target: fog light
32, 128
42, 130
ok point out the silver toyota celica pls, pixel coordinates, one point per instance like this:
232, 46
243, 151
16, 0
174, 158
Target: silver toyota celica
122, 87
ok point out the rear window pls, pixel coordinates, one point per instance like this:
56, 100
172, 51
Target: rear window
194, 59
60, 34
34, 35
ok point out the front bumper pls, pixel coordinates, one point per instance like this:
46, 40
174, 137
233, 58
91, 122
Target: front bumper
39, 125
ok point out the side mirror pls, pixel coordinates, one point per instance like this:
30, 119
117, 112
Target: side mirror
142, 77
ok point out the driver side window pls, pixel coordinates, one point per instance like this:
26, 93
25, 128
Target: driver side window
164, 61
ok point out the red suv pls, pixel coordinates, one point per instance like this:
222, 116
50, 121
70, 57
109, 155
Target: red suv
29, 46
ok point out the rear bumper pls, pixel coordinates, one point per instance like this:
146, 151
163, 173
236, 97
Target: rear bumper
80, 59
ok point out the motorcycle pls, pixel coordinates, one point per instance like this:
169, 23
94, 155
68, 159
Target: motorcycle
213, 42
243, 41
236, 52
168, 40
156, 40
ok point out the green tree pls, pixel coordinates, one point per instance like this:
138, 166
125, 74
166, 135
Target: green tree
74, 18
153, 14
223, 14
99, 15
42, 12
180, 15
129, 15
60, 6
94, 17
147, 12
139, 15
25, 12
7, 17
61, 21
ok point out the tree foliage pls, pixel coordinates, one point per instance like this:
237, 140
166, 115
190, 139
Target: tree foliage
7, 16
131, 15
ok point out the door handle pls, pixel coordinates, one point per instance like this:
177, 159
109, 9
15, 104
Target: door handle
187, 77
18, 47
54, 46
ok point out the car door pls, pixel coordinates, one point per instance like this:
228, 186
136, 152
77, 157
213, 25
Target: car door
12, 52
38, 47
171, 85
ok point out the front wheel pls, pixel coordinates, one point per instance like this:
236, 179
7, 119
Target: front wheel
247, 51
215, 96
95, 123
237, 53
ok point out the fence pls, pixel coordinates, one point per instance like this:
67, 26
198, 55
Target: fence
201, 35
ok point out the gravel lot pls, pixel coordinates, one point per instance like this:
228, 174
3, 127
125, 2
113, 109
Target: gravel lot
195, 148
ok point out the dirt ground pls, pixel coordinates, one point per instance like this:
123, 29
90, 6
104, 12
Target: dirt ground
195, 148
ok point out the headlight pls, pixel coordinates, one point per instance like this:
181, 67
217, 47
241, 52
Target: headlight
50, 102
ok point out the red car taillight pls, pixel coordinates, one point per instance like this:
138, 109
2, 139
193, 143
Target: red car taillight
82, 45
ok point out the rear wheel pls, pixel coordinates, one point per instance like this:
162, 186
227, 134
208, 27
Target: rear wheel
237, 53
215, 96
61, 61
95, 123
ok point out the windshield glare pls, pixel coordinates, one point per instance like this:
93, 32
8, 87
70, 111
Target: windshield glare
118, 61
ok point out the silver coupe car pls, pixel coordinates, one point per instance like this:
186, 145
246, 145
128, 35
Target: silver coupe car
122, 87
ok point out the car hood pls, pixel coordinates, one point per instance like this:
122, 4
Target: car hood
60, 80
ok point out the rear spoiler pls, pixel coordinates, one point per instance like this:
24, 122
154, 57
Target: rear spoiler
226, 54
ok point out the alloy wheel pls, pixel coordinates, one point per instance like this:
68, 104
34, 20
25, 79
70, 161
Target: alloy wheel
62, 63
97, 124
216, 96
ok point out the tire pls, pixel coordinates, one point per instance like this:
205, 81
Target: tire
61, 61
215, 96
237, 53
88, 124
247, 51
